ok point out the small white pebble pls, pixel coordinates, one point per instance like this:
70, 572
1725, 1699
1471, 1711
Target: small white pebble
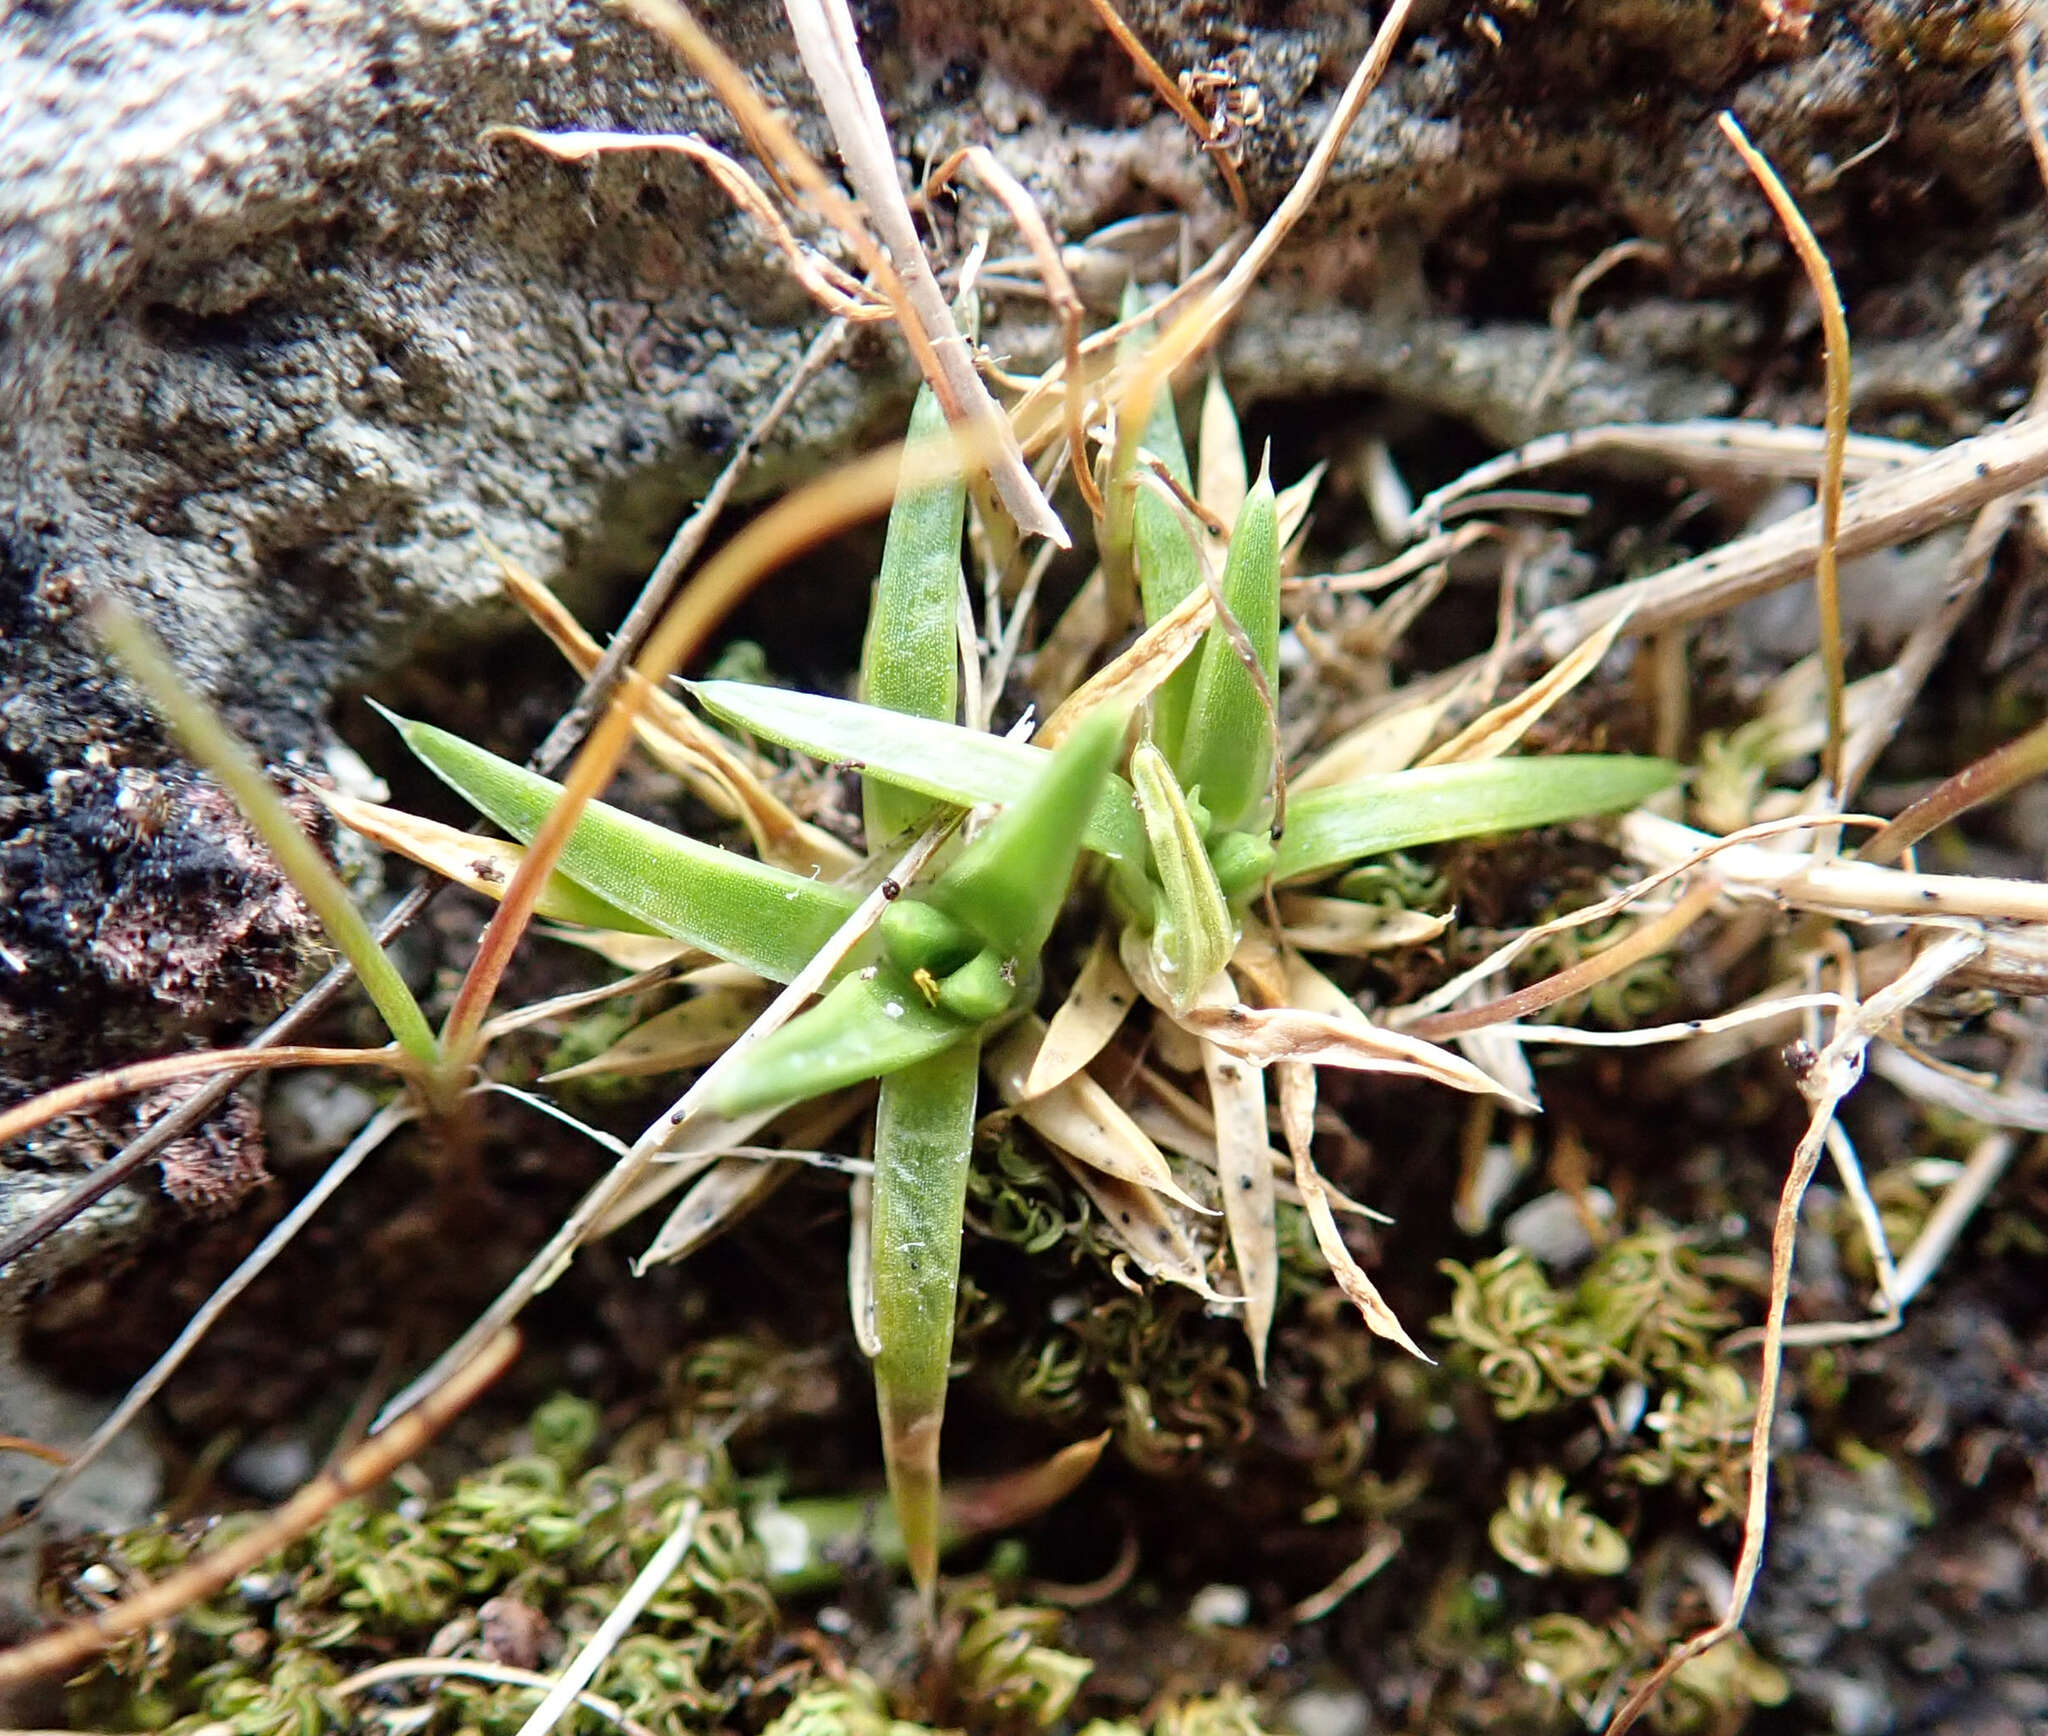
1553, 1227
1219, 1606
785, 1540
1330, 1712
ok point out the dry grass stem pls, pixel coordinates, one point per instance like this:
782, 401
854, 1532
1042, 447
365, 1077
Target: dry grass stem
1832, 1077
1905, 502
479, 1670
1656, 935
1835, 334
1708, 443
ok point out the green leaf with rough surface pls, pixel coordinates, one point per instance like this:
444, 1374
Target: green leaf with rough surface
1227, 753
910, 659
1331, 828
924, 1133
766, 919
962, 766
870, 1024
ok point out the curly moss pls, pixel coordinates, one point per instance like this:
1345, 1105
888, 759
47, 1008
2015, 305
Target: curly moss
516, 1564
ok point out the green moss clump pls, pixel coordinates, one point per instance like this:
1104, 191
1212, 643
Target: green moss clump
517, 1564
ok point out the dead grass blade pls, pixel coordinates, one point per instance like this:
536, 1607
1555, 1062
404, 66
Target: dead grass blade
1903, 503
1196, 328
1984, 780
1265, 1035
1138, 1221
1493, 733
832, 286
1080, 1118
1174, 97
686, 1035
826, 40
1352, 929
1090, 1015
732, 1188
1649, 939
1244, 1172
362, 1470
1059, 291
1851, 891
1386, 743
97, 1090
1833, 1076
716, 770
483, 865
1747, 448
1835, 335
1131, 677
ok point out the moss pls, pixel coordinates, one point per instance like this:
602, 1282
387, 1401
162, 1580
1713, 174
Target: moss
441, 1574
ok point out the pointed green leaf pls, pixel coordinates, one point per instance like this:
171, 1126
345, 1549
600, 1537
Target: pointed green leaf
1334, 827
1148, 535
771, 921
924, 1133
1192, 932
910, 660
869, 1025
962, 766
1227, 752
1009, 883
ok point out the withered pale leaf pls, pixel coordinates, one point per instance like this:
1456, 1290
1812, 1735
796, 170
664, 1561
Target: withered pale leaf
1102, 994
1222, 478
1264, 1035
1490, 736
1130, 678
484, 865
716, 770
1244, 1171
726, 1192
1143, 1224
685, 1035
1386, 743
1353, 929
1080, 1118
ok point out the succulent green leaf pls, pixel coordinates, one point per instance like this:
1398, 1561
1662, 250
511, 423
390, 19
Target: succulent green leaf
870, 1024
1227, 752
767, 919
1009, 883
1192, 931
940, 760
1332, 828
910, 658
924, 1132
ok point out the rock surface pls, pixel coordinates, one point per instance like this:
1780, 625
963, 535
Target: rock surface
284, 344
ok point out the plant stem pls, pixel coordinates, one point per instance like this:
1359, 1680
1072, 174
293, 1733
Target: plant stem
202, 734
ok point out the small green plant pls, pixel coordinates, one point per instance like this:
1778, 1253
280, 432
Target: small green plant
1175, 856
